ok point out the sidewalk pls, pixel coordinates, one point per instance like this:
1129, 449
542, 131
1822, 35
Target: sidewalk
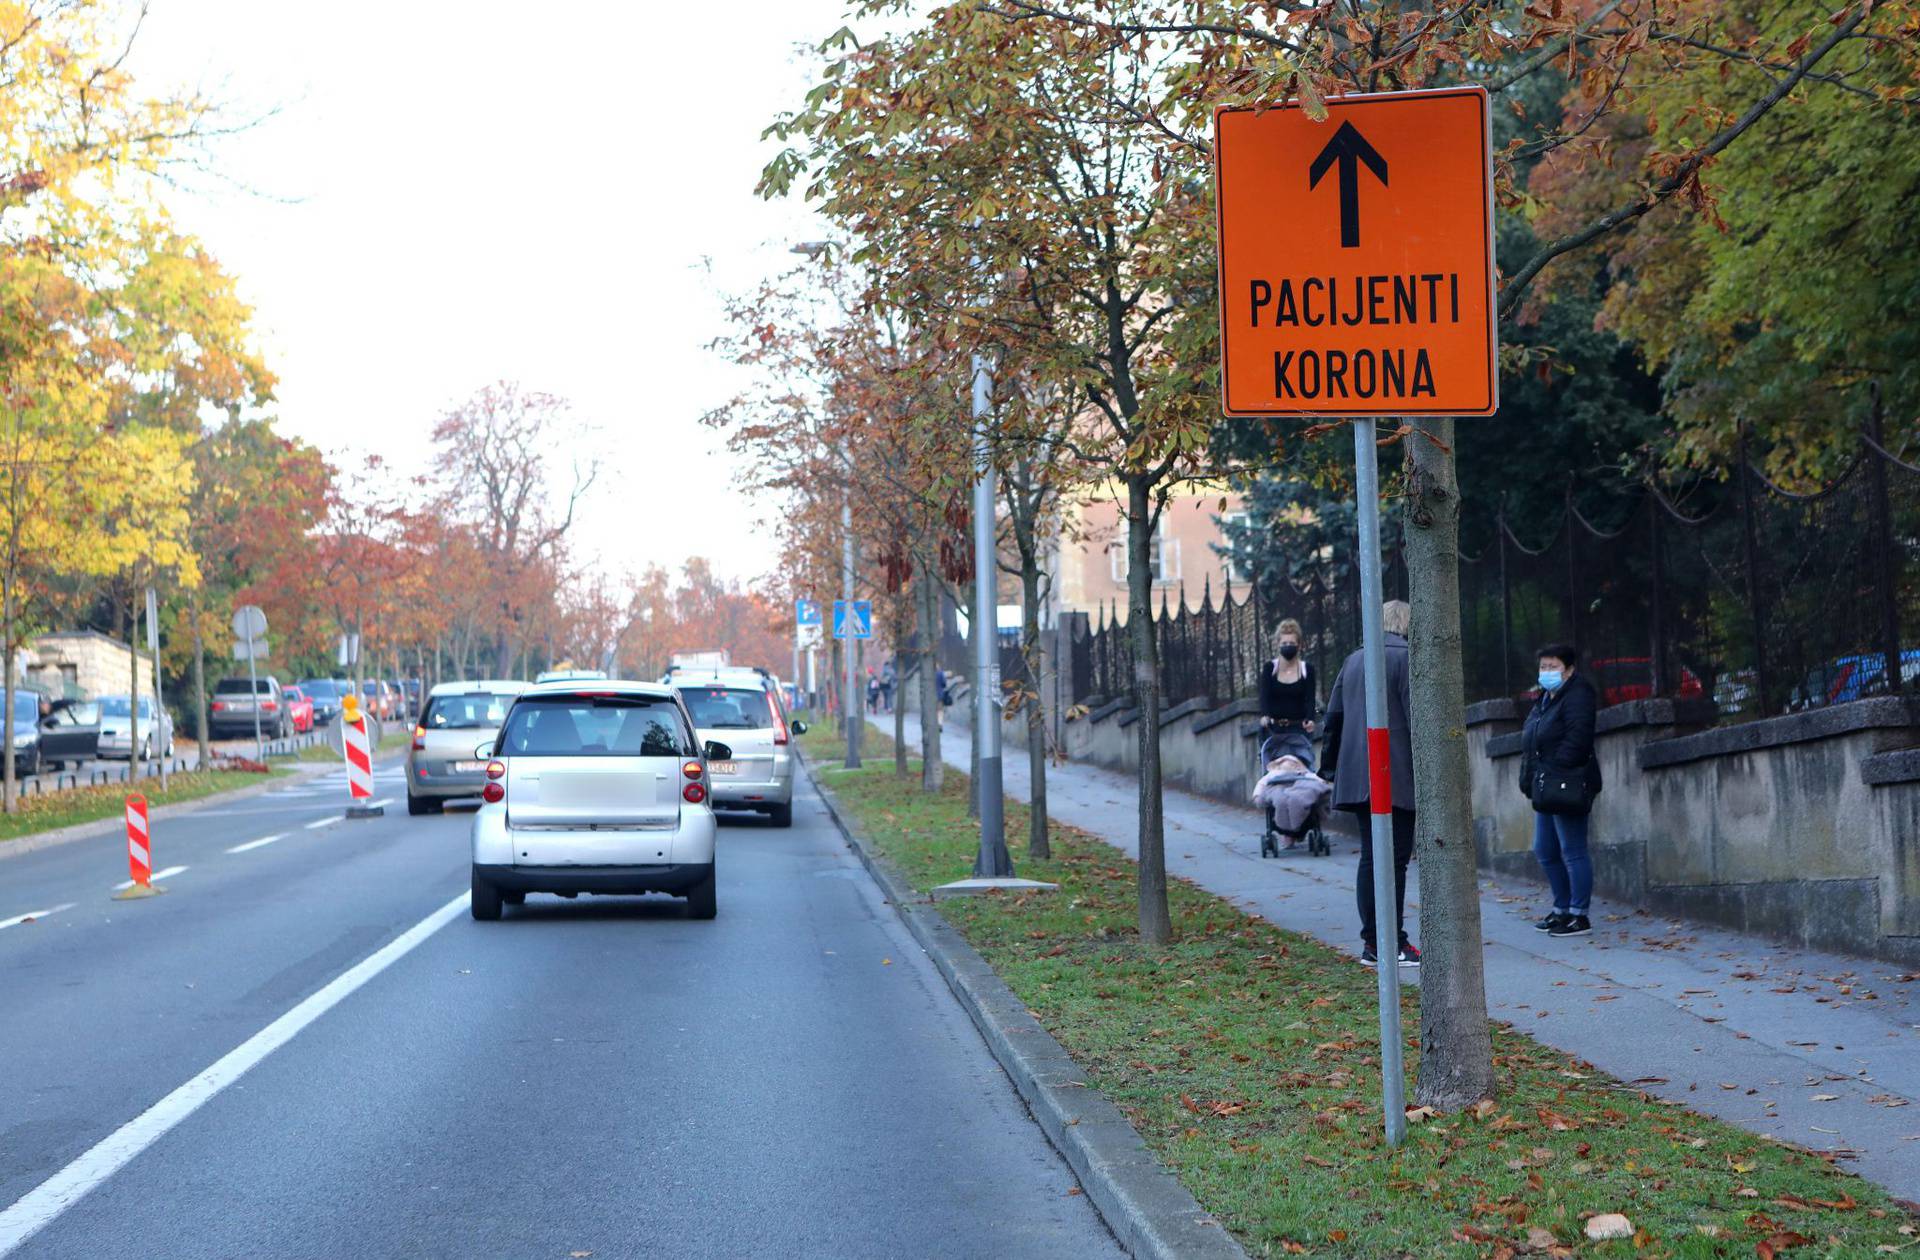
1819, 1050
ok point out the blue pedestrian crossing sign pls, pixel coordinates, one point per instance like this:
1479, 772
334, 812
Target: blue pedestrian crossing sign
806, 612
859, 626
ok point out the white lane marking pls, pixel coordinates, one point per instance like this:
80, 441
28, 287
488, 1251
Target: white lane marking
43, 1204
385, 800
255, 844
157, 876
328, 821
18, 919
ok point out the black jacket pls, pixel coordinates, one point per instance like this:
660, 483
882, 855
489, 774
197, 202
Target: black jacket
1559, 731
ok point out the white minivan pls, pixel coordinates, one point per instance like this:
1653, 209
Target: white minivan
595, 787
741, 708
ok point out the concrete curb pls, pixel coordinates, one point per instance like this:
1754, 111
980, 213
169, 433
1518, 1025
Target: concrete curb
1149, 1211
115, 826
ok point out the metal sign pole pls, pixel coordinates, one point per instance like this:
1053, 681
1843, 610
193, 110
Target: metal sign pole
850, 705
993, 862
1366, 467
253, 684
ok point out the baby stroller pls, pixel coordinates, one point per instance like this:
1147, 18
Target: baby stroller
1275, 837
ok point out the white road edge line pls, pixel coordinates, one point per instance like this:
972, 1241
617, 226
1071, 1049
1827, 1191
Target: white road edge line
18, 919
328, 821
255, 844
156, 877
42, 1205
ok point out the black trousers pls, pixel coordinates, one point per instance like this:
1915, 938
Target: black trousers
1363, 882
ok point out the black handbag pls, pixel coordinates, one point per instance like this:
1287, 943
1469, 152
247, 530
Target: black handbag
1557, 791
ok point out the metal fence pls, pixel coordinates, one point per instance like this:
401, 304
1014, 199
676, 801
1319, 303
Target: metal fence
1760, 597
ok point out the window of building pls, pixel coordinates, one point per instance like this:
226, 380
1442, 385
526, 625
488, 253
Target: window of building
1166, 560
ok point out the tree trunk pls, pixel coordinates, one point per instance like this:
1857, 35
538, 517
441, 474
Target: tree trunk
133, 693
1156, 922
901, 620
1456, 1047
10, 792
199, 679
1039, 843
932, 768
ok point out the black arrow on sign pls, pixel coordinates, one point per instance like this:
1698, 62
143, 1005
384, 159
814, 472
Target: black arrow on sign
1349, 148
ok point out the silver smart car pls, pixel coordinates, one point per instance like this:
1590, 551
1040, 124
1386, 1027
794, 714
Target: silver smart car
595, 787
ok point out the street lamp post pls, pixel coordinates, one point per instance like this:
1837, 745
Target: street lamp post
849, 700
993, 861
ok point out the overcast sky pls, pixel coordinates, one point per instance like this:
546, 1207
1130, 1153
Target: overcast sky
453, 193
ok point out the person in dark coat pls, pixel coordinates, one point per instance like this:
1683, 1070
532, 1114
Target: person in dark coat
1287, 699
1344, 760
1559, 735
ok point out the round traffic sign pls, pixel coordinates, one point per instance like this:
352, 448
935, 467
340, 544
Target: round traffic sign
249, 622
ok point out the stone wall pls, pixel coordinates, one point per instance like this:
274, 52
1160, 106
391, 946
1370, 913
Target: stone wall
1804, 828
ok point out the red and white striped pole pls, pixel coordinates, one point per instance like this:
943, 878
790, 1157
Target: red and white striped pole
139, 852
359, 753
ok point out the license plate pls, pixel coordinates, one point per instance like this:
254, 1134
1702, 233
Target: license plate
724, 767
468, 767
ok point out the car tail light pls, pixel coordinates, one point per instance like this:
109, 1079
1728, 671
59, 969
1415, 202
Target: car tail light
269, 705
691, 769
780, 733
494, 793
694, 793
218, 705
496, 769
419, 737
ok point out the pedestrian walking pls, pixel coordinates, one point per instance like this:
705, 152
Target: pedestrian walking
1344, 760
1560, 774
887, 682
873, 691
942, 694
1289, 696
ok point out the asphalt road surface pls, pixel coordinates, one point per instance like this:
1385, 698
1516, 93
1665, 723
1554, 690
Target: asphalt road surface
306, 1048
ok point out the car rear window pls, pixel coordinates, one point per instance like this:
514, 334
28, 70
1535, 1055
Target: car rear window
238, 687
728, 708
595, 726
476, 710
319, 688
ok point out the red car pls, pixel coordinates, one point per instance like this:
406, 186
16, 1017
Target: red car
300, 709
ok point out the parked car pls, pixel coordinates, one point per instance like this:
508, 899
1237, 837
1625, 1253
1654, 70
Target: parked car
1852, 677
300, 709
377, 699
70, 734
120, 730
26, 733
235, 702
601, 788
736, 707
1624, 678
326, 693
441, 765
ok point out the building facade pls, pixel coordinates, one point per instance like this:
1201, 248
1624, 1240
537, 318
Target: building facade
83, 665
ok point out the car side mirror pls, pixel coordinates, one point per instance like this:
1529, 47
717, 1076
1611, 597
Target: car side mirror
799, 727
485, 751
717, 751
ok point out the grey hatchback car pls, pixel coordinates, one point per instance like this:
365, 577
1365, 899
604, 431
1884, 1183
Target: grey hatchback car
457, 718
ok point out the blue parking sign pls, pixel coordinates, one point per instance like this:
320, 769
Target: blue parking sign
860, 626
806, 612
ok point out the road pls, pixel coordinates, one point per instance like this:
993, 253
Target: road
599, 1076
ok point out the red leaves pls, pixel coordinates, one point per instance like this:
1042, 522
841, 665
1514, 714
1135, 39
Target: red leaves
1772, 1245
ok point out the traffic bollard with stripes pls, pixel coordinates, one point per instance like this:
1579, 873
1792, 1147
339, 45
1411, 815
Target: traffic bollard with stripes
359, 752
139, 853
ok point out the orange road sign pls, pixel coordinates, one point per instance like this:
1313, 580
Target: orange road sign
1356, 257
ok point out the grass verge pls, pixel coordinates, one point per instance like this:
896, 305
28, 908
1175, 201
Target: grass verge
53, 810
1247, 1057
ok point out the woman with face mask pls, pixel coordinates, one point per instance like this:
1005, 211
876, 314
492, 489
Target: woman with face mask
1561, 775
1288, 698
